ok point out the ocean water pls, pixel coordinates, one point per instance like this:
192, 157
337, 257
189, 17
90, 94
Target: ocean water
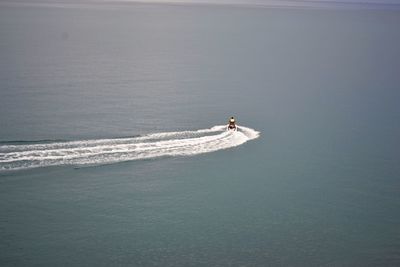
113, 149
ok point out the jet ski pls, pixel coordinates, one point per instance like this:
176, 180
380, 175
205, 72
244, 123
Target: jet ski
232, 125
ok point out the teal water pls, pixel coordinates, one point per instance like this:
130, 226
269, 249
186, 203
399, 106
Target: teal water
319, 187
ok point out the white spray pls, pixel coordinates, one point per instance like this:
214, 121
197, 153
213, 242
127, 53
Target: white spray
105, 151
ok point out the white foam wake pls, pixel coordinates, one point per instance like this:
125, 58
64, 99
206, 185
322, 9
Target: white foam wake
105, 151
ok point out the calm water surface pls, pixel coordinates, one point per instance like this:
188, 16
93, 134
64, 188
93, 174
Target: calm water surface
319, 187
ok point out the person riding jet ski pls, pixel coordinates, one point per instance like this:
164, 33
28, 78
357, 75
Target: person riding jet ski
232, 124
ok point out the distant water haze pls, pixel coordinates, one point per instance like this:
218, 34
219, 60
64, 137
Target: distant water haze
259, 3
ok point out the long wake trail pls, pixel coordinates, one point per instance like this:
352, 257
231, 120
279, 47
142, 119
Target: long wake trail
106, 151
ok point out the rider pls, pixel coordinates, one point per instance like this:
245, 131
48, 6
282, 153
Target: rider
232, 124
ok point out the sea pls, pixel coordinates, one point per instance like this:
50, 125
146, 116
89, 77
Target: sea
114, 149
